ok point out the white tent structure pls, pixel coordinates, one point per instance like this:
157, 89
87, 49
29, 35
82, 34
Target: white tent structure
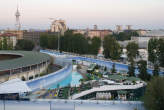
14, 86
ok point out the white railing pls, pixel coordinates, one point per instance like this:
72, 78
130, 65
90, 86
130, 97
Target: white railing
106, 88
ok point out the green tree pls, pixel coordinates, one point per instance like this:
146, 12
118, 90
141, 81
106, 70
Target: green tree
75, 43
156, 70
112, 49
4, 43
156, 54
44, 41
142, 66
26, 45
152, 50
122, 36
161, 52
113, 69
52, 42
131, 69
154, 95
132, 53
95, 45
10, 46
1, 47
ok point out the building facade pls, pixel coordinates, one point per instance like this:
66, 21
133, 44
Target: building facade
10, 38
99, 33
18, 33
35, 35
59, 26
94, 32
143, 40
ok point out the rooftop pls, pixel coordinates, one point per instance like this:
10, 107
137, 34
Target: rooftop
7, 35
14, 86
28, 58
155, 33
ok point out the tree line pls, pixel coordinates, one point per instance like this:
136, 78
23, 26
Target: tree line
22, 44
156, 52
69, 42
78, 43
126, 35
155, 56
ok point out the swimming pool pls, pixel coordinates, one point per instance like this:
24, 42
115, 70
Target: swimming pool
73, 79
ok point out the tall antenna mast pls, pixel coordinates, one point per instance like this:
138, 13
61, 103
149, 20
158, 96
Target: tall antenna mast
17, 15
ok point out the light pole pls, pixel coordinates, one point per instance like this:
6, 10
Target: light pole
74, 105
59, 34
59, 41
50, 104
4, 104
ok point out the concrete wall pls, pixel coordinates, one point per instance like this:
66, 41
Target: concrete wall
53, 78
26, 74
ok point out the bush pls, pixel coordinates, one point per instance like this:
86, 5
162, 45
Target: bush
26, 45
154, 96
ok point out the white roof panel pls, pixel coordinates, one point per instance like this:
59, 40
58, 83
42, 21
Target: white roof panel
14, 86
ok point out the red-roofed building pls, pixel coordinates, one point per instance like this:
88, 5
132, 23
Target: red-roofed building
94, 32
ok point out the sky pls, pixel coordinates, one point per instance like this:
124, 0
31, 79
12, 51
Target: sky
82, 14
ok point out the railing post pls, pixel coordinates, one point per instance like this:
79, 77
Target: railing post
4, 106
50, 104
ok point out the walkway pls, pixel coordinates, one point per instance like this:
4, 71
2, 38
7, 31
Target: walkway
106, 88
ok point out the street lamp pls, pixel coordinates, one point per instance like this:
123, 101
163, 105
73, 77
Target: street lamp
50, 104
59, 32
4, 106
59, 41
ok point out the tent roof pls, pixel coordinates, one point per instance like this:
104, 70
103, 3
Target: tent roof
14, 86
28, 58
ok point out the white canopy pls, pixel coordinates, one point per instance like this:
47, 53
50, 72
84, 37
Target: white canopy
108, 81
14, 86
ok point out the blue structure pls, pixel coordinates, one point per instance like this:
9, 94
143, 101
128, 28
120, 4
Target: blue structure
52, 78
60, 75
108, 64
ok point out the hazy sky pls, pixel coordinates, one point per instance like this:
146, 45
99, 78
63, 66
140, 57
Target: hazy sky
148, 14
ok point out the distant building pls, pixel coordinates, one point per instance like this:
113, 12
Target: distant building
129, 27
141, 32
59, 26
11, 38
94, 32
80, 31
143, 40
35, 35
143, 54
18, 33
119, 28
99, 33
95, 27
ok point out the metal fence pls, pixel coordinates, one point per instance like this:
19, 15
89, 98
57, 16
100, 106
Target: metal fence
71, 105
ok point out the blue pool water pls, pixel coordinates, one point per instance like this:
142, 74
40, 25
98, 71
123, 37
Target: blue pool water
73, 79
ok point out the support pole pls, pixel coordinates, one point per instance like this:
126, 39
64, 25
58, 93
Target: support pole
59, 41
